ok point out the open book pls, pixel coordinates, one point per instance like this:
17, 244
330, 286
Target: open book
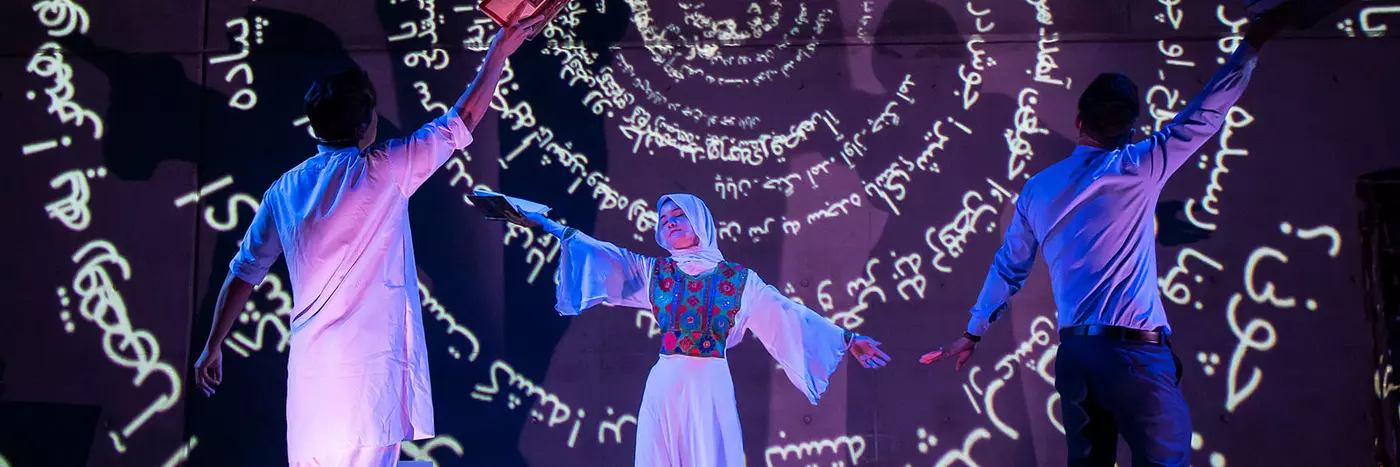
499, 207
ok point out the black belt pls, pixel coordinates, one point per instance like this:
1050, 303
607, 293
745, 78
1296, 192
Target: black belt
1116, 332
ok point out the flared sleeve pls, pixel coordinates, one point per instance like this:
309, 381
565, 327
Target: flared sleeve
805, 344
592, 271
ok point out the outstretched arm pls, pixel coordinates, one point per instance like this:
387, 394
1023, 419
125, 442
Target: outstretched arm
806, 345
1010, 268
593, 271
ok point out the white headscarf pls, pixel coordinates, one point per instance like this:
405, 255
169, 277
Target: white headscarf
707, 248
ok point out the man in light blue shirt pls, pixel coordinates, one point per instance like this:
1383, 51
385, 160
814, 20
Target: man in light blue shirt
1091, 216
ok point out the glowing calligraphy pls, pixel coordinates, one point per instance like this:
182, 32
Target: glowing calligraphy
615, 426
477, 34
953, 235
424, 451
964, 454
1228, 43
35, 148
1169, 14
1197, 443
1178, 292
1007, 367
48, 62
126, 346
730, 189
859, 288
62, 17
182, 454
231, 220
278, 319
425, 97
1026, 124
973, 80
431, 305
558, 413
244, 98
432, 56
1236, 394
1045, 61
1235, 118
1365, 19
648, 116
855, 448
889, 181
72, 209
926, 439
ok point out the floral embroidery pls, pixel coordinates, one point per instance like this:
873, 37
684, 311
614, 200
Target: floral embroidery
696, 314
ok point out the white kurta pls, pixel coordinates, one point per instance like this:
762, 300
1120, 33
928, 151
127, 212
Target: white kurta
357, 373
688, 416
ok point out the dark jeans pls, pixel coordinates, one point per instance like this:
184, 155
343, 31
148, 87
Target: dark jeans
1110, 387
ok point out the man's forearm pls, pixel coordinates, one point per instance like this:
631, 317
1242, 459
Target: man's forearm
474, 103
233, 296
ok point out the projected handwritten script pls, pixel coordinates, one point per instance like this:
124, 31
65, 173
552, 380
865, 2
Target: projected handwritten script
866, 158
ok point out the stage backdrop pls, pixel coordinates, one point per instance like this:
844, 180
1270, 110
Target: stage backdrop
861, 155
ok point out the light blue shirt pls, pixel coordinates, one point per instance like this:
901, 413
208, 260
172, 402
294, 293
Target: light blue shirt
1091, 216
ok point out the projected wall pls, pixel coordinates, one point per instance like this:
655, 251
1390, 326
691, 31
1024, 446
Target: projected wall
861, 155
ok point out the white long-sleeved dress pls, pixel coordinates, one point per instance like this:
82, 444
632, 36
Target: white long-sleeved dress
688, 415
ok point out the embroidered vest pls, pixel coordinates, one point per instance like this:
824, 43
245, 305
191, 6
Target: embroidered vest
695, 313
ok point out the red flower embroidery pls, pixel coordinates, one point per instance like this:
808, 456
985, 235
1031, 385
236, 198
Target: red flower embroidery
686, 345
694, 286
669, 341
726, 288
667, 283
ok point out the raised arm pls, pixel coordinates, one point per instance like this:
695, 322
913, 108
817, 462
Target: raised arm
1163, 153
808, 346
414, 158
593, 271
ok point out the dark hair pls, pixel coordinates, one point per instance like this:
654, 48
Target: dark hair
341, 107
1109, 107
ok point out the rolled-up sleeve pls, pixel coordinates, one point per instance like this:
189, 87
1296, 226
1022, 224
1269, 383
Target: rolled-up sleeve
412, 159
260, 246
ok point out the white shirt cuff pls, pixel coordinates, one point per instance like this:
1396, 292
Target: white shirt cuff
978, 326
457, 130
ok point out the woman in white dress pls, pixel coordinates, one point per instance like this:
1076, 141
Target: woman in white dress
703, 304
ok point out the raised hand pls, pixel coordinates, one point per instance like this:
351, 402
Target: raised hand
517, 29
868, 351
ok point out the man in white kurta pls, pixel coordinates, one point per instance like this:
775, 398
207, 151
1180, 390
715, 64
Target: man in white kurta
357, 377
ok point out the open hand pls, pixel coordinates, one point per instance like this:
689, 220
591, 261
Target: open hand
963, 348
868, 351
209, 370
